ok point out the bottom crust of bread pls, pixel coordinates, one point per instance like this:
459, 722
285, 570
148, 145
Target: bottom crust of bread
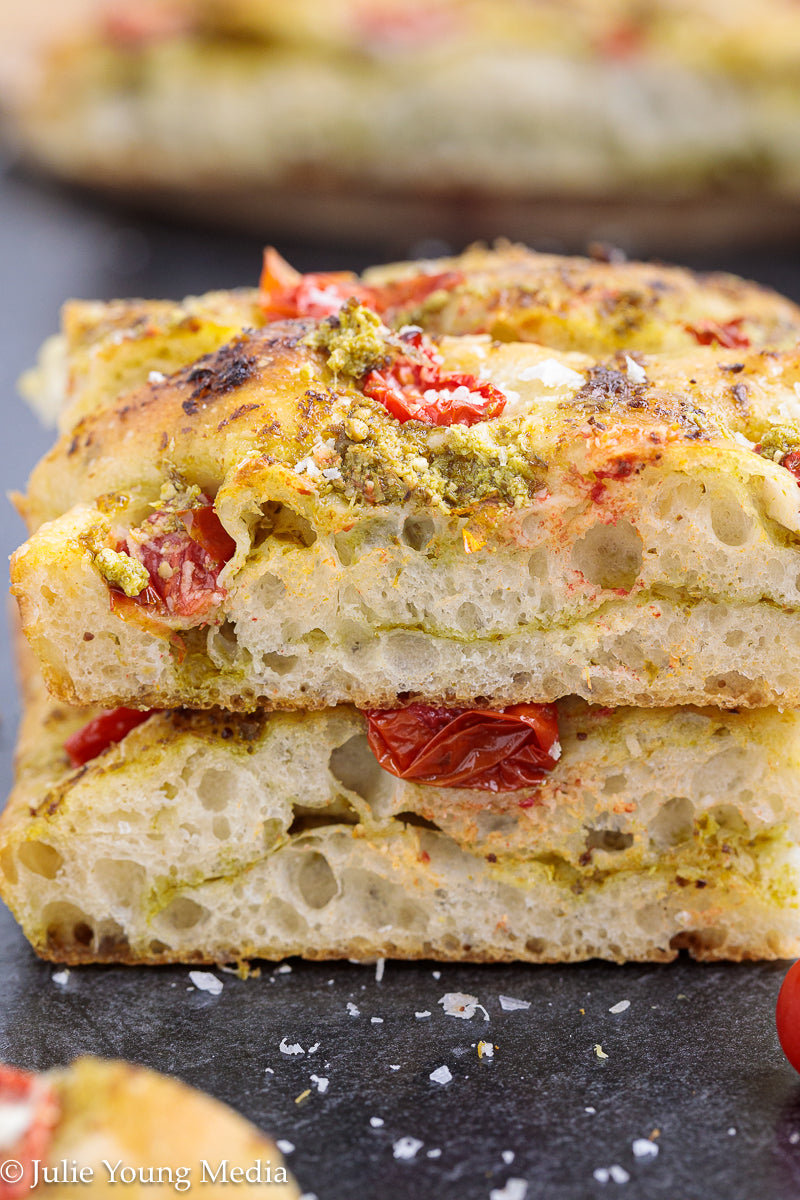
212, 837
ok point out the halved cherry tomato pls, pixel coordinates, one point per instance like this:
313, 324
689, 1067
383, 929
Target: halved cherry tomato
102, 731
286, 294
183, 565
38, 1111
787, 1015
728, 335
414, 387
493, 750
792, 463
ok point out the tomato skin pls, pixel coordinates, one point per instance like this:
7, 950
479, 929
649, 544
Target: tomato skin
728, 335
102, 731
23, 1087
487, 749
787, 1015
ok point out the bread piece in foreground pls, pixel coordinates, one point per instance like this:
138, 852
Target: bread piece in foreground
262, 527
208, 837
97, 1124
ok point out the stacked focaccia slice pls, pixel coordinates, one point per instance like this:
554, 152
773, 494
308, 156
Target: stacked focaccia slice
444, 516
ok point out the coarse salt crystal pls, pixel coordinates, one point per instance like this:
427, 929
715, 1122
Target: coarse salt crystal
618, 1174
290, 1048
600, 1174
285, 1147
406, 1147
636, 374
441, 1075
380, 965
331, 473
459, 1004
394, 1066
620, 1006
515, 1189
436, 974
353, 1009
510, 1004
507, 1157
590, 1108
551, 373
60, 977
433, 1154
485, 1050
421, 1015
204, 981
376, 1020
376, 1122
312, 1049
321, 1083
644, 1148
156, 377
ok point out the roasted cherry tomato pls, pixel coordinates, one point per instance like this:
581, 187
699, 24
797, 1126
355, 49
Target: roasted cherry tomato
286, 294
415, 388
493, 750
729, 335
103, 731
787, 1015
30, 1112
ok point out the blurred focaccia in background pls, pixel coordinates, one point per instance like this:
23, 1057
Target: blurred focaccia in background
663, 125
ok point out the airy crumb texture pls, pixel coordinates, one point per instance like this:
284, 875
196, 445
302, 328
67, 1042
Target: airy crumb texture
207, 837
626, 530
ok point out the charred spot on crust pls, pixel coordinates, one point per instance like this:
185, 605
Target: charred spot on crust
607, 387
218, 373
237, 412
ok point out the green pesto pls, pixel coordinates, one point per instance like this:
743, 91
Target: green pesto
778, 441
122, 570
453, 467
355, 340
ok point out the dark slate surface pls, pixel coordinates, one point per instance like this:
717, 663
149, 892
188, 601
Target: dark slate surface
692, 1063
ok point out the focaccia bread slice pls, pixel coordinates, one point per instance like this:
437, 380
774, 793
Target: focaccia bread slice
106, 349
83, 1129
205, 837
674, 122
625, 529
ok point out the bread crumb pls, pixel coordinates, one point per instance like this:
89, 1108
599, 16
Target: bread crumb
599, 1051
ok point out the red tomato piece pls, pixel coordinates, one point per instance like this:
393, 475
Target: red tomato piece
183, 564
408, 293
38, 1112
792, 463
144, 22
103, 731
412, 391
787, 1015
492, 750
286, 294
729, 335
